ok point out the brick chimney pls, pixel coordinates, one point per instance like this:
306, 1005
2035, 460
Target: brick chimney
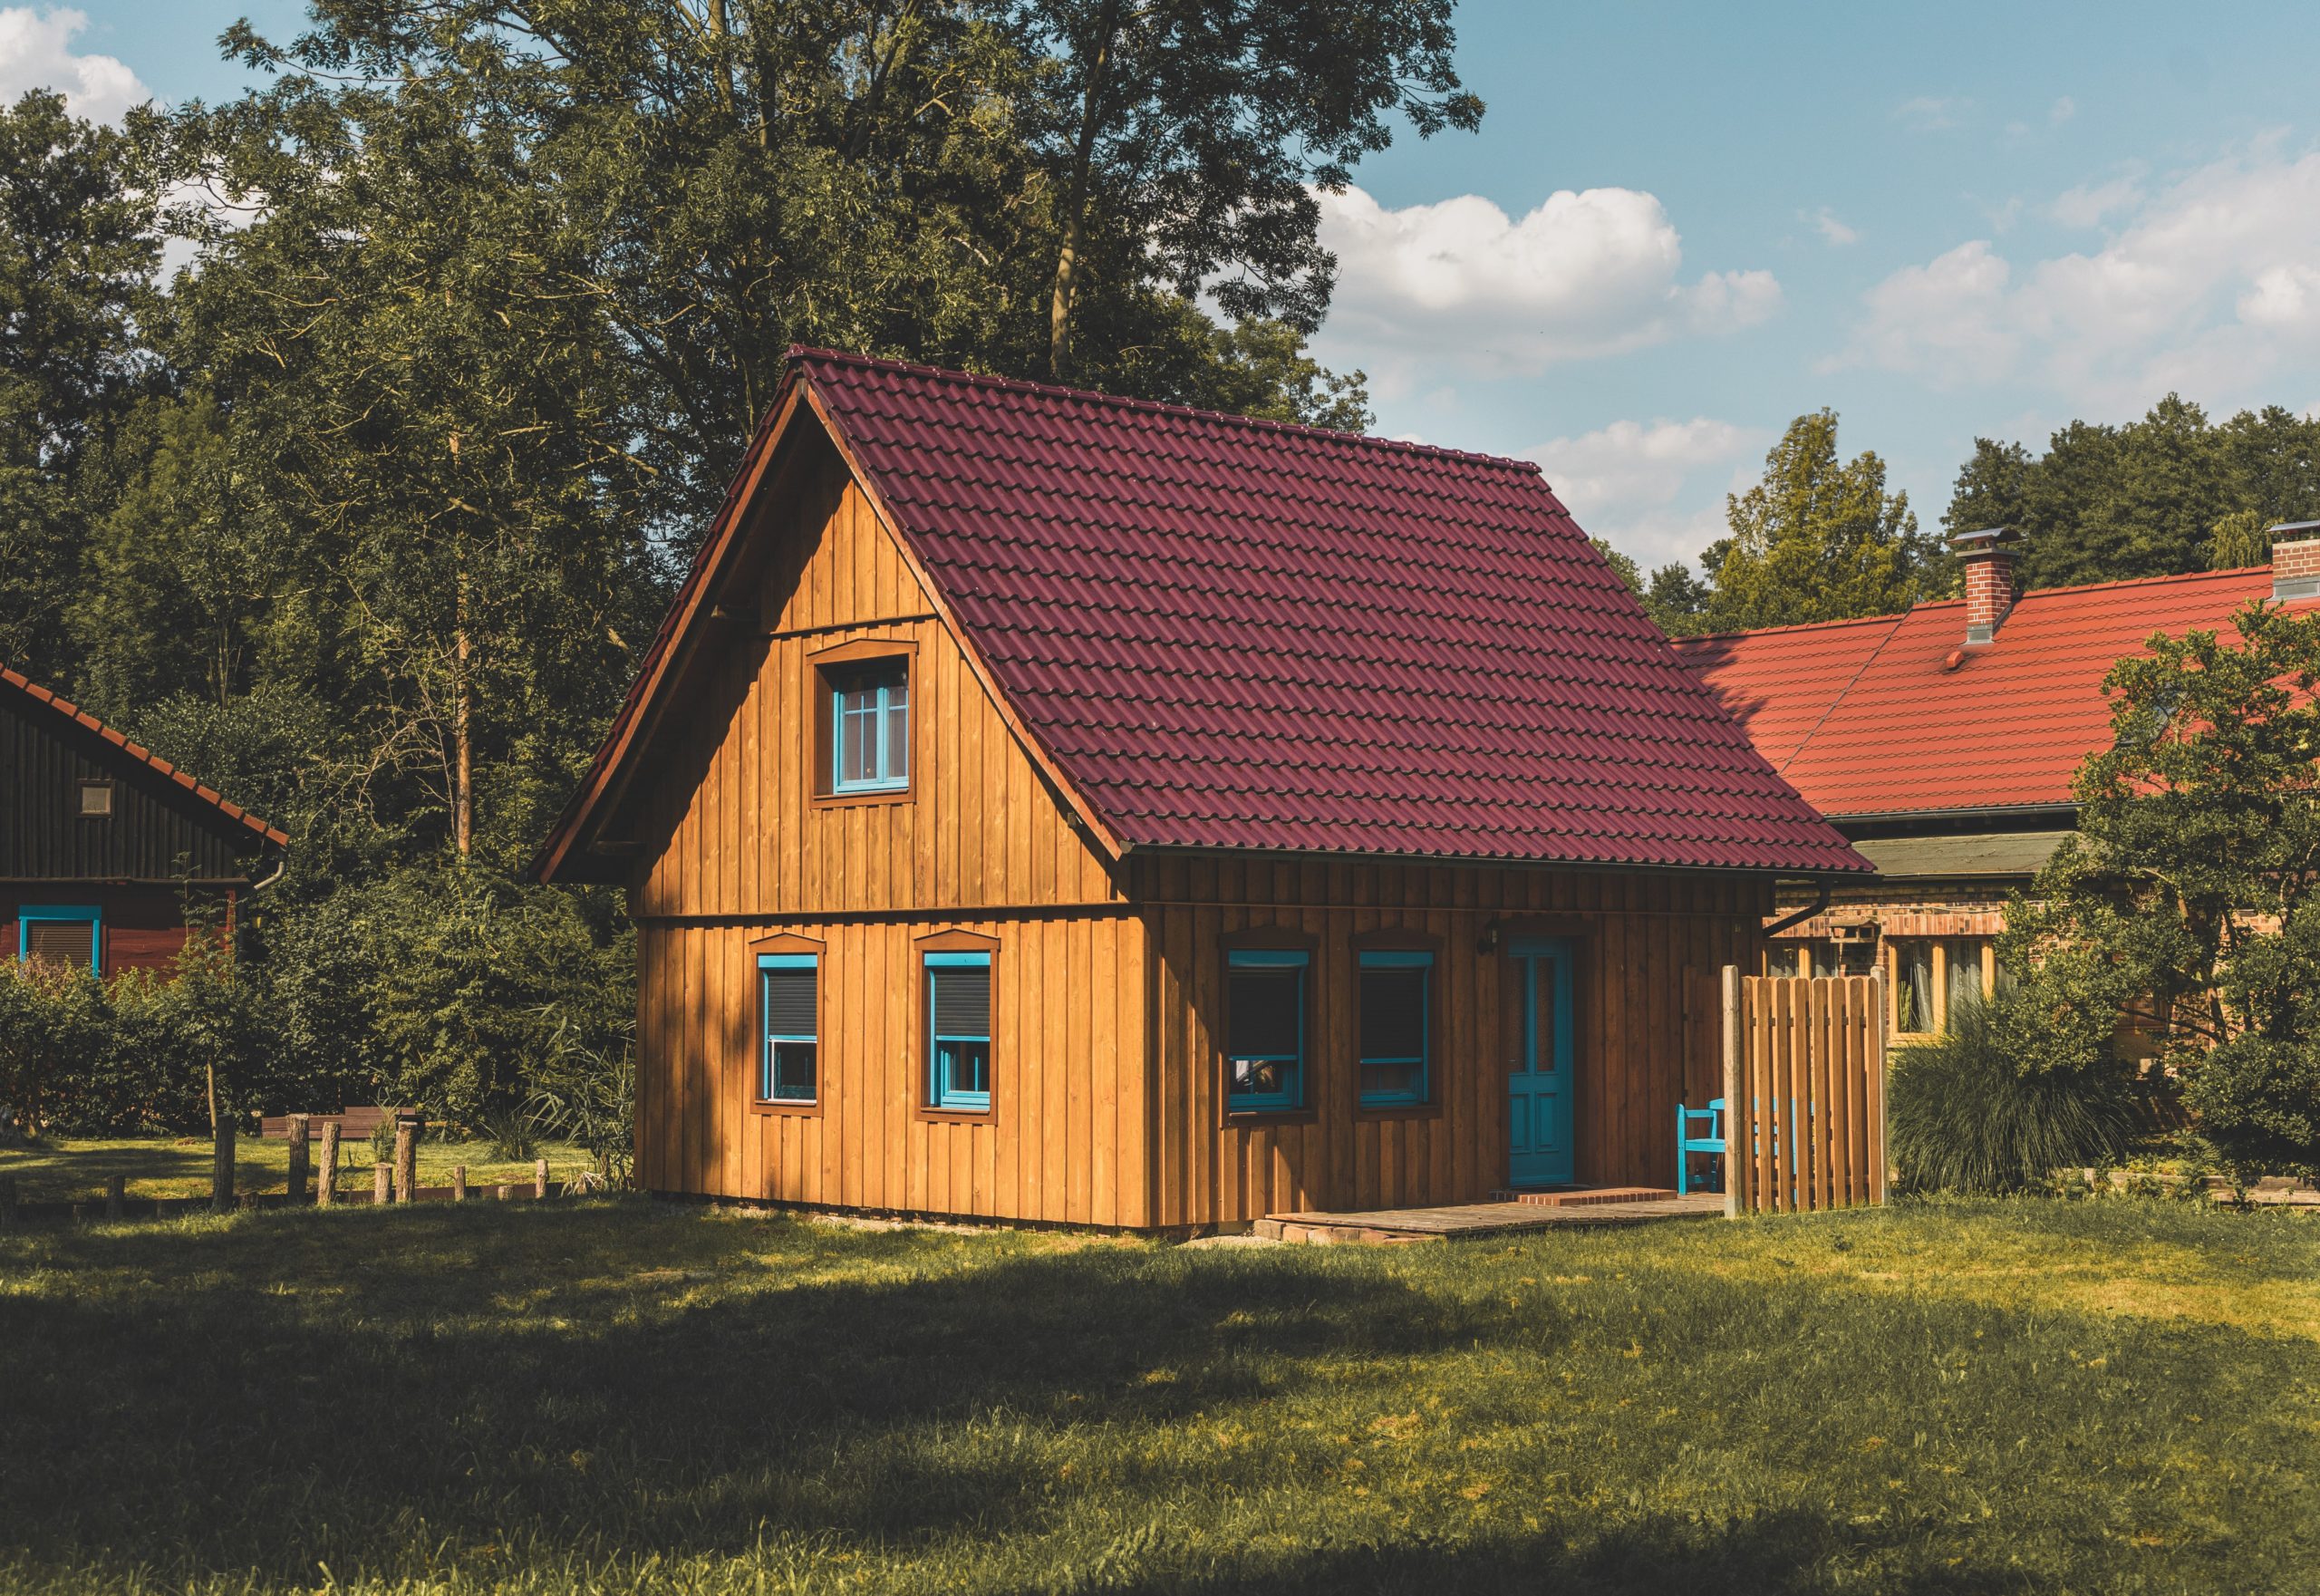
2296, 565
1990, 591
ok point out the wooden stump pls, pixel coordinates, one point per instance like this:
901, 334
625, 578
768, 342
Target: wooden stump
116, 1191
459, 1183
221, 1167
406, 1157
326, 1189
301, 1127
380, 1176
539, 1178
504, 1192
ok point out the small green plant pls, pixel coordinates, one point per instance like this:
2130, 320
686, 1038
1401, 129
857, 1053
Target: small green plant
1966, 1118
513, 1136
588, 1096
2258, 1103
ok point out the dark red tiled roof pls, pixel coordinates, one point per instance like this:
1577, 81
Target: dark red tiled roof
51, 703
1870, 717
1229, 634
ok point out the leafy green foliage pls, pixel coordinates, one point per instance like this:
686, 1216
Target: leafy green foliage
2259, 1102
2171, 493
1967, 1118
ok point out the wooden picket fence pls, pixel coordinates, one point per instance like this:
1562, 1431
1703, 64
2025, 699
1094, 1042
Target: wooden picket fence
1804, 1092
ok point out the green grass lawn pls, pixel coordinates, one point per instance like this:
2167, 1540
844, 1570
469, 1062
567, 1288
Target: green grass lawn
2114, 1396
74, 1169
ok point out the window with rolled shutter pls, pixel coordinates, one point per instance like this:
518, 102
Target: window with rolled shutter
958, 1010
790, 1068
1395, 1022
67, 940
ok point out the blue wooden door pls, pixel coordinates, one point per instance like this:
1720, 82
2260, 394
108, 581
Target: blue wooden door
1538, 1067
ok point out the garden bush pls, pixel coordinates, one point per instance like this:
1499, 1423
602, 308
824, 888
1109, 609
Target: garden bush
2259, 1105
1966, 1117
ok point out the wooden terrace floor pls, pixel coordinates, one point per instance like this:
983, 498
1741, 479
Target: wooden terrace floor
1385, 1225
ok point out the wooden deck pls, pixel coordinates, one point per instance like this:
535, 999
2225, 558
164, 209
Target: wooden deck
1389, 1226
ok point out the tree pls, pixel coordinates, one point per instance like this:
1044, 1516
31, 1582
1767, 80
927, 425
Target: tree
79, 246
2191, 890
1815, 540
1182, 140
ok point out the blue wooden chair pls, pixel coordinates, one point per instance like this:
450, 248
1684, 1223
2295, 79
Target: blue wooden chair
1686, 1144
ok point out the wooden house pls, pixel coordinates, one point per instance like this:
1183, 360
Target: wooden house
1942, 742
1055, 807
106, 850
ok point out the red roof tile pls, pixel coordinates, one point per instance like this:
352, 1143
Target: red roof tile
1238, 633
1229, 634
51, 703
1868, 717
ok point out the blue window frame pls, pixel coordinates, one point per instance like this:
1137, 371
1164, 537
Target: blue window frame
68, 932
870, 728
1396, 1021
958, 1025
1264, 1017
789, 1002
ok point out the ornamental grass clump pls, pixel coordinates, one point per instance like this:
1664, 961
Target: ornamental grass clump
1966, 1117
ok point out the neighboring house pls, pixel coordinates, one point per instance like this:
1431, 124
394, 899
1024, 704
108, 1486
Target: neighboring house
1943, 743
105, 848
1058, 807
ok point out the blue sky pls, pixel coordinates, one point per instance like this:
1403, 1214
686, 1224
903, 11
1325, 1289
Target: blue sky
1683, 224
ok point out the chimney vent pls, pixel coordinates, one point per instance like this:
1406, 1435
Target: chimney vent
1989, 580
2296, 560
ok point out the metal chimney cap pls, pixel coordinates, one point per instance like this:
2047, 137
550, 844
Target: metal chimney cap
1986, 539
2292, 527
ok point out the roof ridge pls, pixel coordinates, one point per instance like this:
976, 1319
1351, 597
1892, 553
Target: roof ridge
802, 351
2135, 582
51, 698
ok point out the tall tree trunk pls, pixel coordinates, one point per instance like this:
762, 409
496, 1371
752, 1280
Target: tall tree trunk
462, 738
1075, 215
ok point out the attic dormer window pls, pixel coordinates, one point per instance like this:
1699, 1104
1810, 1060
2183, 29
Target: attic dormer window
96, 800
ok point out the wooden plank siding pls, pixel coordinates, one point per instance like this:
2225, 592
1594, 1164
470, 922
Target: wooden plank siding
1642, 943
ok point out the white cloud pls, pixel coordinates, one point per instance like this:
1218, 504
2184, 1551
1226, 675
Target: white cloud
1932, 113
1654, 489
1834, 231
1586, 274
2207, 287
37, 53
2062, 110
2086, 204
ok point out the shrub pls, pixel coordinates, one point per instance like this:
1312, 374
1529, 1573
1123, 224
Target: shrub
1966, 1118
2258, 1104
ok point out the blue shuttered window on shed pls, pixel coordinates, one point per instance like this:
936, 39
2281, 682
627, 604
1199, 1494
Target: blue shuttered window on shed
790, 1067
958, 1014
1264, 1047
60, 934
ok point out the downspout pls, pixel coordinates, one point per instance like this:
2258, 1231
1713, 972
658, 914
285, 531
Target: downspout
1820, 902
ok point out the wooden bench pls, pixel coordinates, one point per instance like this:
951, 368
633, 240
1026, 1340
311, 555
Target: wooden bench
354, 1124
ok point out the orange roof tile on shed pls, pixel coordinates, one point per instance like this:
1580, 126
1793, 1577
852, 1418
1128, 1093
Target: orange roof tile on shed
80, 717
1870, 718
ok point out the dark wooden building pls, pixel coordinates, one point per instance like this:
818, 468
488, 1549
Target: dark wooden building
104, 849
1049, 807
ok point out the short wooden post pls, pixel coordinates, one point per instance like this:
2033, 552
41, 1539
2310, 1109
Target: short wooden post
1735, 1102
221, 1167
300, 1127
1880, 1170
7, 1199
381, 1173
116, 1193
503, 1191
539, 1178
326, 1188
459, 1183
406, 1157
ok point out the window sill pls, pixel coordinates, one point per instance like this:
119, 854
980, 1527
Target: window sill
800, 1107
848, 800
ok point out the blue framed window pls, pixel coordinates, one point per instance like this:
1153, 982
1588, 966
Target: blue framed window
1264, 1019
870, 728
1396, 1019
958, 1016
65, 933
789, 998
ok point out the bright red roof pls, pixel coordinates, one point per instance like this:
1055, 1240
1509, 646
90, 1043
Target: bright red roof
1868, 717
50, 703
1233, 634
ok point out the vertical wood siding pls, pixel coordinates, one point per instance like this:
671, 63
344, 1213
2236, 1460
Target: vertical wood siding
151, 835
1648, 950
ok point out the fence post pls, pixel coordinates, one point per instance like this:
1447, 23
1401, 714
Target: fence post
459, 1183
539, 1178
221, 1166
300, 1130
1881, 1168
326, 1188
1736, 1105
116, 1191
380, 1176
406, 1156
